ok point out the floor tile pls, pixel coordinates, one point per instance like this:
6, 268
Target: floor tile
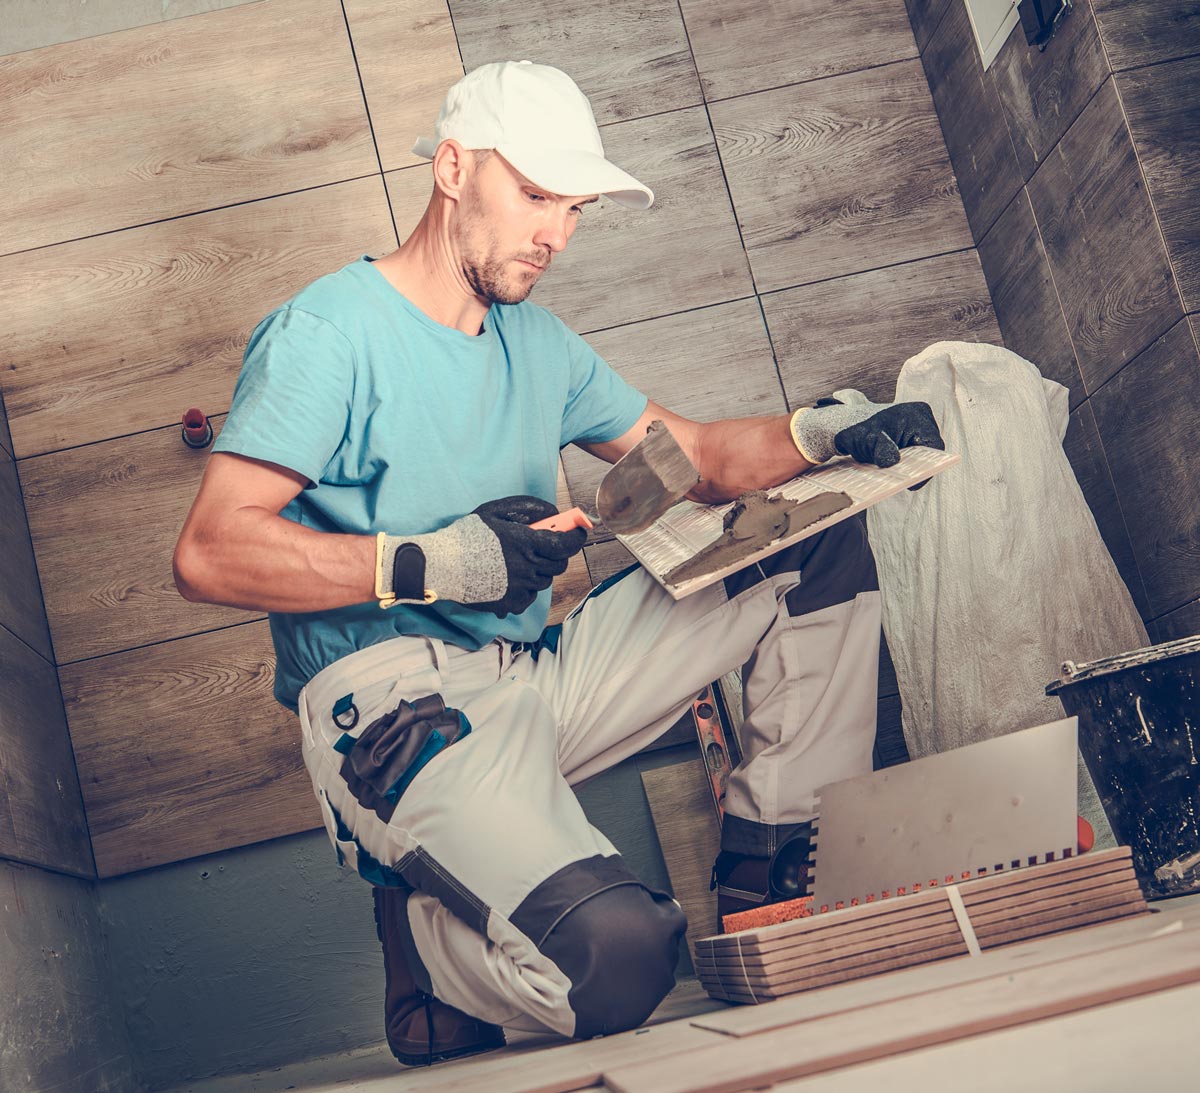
630, 57
1089, 462
750, 47
1183, 622
1143, 32
813, 174
1164, 120
188, 292
1023, 294
925, 16
245, 103
1043, 91
858, 331
1151, 441
408, 58
973, 121
21, 607
1104, 248
623, 265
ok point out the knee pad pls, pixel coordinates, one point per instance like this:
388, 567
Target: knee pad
619, 948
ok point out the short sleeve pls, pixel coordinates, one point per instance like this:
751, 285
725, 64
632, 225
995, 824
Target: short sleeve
292, 401
600, 404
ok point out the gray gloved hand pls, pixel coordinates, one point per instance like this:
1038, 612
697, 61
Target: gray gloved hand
870, 432
488, 560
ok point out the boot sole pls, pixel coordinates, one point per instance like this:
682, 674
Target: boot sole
425, 1059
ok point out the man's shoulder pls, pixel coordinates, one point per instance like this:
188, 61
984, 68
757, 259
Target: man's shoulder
331, 295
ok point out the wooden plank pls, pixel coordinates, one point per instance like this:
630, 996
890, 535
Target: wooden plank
851, 997
972, 120
969, 1009
683, 362
21, 607
182, 749
741, 48
104, 520
683, 252
630, 57
1158, 490
1131, 1044
41, 812
1043, 90
237, 105
407, 58
1144, 32
812, 171
925, 16
858, 331
690, 836
1103, 245
1027, 308
1160, 104
124, 332
1086, 455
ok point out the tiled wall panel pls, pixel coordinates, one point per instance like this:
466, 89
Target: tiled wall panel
630, 57
1145, 32
751, 47
815, 178
925, 15
21, 608
241, 104
150, 321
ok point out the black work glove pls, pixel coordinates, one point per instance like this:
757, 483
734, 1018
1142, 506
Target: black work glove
532, 558
879, 438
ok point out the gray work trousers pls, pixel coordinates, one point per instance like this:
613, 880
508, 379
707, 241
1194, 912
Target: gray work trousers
521, 912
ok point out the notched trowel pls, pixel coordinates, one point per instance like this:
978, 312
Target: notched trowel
646, 481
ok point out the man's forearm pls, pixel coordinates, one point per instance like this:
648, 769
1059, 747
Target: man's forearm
749, 453
259, 561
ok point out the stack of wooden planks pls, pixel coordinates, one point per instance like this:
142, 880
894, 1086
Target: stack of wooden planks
768, 962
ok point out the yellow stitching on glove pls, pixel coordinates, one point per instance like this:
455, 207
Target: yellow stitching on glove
796, 438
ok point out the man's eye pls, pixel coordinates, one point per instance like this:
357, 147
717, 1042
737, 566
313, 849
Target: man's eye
534, 197
577, 210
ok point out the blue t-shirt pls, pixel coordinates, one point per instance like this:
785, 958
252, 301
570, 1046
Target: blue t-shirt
403, 425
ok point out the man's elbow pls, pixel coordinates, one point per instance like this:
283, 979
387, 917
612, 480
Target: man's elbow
191, 571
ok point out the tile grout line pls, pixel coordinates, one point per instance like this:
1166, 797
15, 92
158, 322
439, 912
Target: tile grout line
163, 641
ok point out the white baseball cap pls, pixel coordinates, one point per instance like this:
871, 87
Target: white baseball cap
537, 119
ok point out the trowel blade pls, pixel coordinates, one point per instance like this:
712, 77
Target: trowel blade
645, 482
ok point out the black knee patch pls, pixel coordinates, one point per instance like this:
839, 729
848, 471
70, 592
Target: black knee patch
835, 565
614, 939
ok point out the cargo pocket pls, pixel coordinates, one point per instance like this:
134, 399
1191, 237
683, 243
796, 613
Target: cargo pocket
380, 764
350, 852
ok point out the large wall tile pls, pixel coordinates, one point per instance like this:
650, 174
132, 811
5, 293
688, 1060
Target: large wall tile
1164, 119
1104, 248
1088, 460
408, 192
1142, 32
1043, 91
6, 444
1184, 622
182, 750
814, 174
104, 519
751, 46
124, 332
925, 16
858, 331
706, 364
1027, 308
21, 608
973, 121
630, 57
408, 58
41, 813
244, 103
683, 252
1147, 418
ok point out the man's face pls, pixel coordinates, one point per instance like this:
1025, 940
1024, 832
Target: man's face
508, 230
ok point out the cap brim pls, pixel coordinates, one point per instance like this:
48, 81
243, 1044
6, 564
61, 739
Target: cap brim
425, 147
574, 172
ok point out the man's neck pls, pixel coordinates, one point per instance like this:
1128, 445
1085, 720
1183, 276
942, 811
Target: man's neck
423, 271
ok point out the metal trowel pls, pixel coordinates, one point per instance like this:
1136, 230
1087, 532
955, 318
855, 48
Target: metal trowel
646, 481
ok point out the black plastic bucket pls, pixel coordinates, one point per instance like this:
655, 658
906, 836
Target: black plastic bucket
1139, 732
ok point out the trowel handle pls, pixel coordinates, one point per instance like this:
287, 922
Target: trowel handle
567, 520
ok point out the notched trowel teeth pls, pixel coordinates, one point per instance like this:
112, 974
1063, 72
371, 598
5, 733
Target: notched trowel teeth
645, 482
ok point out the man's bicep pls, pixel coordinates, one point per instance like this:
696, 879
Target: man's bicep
685, 431
233, 482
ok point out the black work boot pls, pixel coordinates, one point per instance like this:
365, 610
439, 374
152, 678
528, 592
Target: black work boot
420, 1030
745, 881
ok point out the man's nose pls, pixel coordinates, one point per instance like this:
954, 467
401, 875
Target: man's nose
554, 231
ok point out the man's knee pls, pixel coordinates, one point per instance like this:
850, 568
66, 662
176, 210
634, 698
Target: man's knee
619, 949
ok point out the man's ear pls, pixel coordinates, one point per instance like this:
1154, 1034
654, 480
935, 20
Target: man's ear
451, 168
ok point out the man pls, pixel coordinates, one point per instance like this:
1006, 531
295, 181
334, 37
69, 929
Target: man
395, 430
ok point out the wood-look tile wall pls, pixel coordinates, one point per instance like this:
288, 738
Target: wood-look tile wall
807, 234
1077, 167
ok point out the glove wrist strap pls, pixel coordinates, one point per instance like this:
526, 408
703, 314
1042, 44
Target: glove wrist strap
400, 572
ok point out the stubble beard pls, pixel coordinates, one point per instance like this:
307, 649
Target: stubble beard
487, 275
